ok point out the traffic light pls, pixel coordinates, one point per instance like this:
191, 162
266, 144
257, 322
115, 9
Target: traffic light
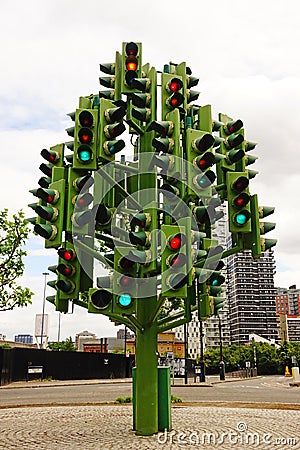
78, 215
113, 81
51, 210
231, 146
175, 263
100, 299
239, 212
110, 127
67, 284
103, 217
124, 282
142, 104
167, 146
85, 138
200, 159
55, 157
131, 66
184, 73
254, 240
171, 93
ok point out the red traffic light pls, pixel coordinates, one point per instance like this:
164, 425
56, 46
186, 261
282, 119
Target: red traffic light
126, 282
205, 161
67, 254
83, 200
86, 119
175, 100
85, 136
203, 143
233, 127
48, 195
174, 85
176, 261
241, 200
50, 156
66, 269
176, 241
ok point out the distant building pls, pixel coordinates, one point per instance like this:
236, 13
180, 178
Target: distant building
293, 329
252, 297
289, 328
24, 338
288, 301
2, 337
121, 334
82, 337
96, 346
167, 344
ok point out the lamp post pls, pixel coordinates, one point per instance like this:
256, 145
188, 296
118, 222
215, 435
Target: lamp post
43, 313
202, 363
222, 364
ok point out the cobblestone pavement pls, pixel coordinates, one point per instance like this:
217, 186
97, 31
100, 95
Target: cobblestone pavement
109, 428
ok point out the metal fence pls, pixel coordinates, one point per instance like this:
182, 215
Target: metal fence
62, 365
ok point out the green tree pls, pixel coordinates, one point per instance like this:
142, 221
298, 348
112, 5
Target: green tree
13, 235
64, 346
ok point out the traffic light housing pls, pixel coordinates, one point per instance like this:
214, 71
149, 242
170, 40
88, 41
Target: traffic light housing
113, 81
51, 210
171, 93
200, 159
67, 284
175, 261
85, 138
167, 146
239, 211
131, 66
110, 127
254, 241
100, 299
78, 214
124, 282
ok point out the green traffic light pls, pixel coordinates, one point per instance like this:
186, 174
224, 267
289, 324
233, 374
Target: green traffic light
125, 300
242, 217
84, 154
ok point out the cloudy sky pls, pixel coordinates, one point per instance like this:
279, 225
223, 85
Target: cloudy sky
246, 54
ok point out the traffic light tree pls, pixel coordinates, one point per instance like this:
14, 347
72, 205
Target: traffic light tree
147, 220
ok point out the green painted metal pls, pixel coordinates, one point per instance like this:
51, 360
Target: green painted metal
146, 419
164, 399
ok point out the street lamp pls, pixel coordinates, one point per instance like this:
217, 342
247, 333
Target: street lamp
44, 301
222, 364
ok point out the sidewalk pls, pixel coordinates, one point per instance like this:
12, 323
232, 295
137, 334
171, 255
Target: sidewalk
178, 382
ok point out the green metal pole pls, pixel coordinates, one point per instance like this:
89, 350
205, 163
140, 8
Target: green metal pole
146, 420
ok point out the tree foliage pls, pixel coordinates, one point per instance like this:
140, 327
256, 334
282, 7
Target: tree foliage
13, 235
63, 346
269, 359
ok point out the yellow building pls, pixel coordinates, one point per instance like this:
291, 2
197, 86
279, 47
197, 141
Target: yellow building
166, 343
